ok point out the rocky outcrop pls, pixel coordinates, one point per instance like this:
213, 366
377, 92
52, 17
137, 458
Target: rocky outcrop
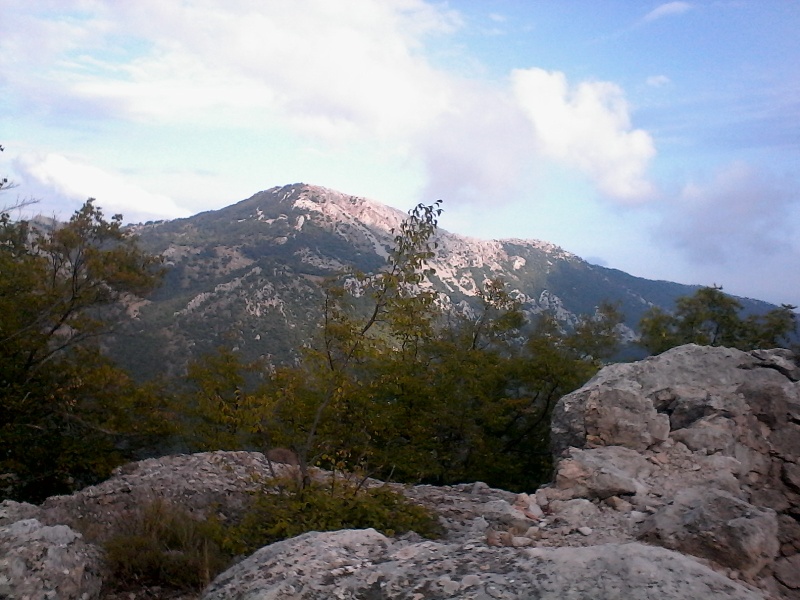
711, 468
366, 564
39, 561
676, 477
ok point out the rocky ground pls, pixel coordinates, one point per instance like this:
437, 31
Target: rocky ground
677, 477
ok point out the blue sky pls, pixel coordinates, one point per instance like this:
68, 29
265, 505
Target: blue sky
662, 139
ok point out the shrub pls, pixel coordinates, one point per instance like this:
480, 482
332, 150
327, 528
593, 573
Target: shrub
292, 509
163, 545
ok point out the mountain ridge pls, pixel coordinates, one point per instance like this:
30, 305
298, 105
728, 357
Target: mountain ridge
250, 275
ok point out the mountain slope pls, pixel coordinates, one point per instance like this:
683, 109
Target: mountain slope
250, 275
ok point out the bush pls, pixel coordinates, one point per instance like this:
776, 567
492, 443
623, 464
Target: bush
292, 509
163, 545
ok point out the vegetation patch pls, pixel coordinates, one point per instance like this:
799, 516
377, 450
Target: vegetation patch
291, 509
164, 545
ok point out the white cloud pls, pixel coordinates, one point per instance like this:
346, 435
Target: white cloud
741, 214
666, 10
587, 126
55, 176
480, 151
341, 74
329, 68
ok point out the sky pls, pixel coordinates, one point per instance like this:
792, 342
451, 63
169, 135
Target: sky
659, 138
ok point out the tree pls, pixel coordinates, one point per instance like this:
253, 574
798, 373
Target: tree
710, 317
399, 317
221, 404
65, 405
399, 387
442, 399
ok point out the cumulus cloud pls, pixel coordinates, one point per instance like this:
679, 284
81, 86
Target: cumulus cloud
666, 10
587, 126
742, 213
350, 71
66, 183
481, 150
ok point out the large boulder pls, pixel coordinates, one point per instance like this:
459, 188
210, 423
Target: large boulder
720, 429
365, 564
714, 524
200, 483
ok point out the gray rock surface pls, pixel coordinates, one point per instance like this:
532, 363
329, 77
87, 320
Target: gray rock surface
725, 480
712, 523
39, 562
365, 564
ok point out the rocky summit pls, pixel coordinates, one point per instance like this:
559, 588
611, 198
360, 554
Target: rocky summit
676, 477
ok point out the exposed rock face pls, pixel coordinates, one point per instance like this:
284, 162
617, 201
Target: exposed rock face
39, 561
712, 467
708, 480
200, 483
366, 564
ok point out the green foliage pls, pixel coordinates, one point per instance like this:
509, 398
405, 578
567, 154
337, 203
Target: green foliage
712, 318
411, 392
290, 509
399, 387
65, 408
221, 404
163, 545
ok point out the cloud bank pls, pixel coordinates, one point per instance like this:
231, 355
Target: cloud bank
587, 126
64, 182
349, 72
740, 214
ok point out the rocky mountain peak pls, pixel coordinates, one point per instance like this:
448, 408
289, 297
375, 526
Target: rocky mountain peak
251, 275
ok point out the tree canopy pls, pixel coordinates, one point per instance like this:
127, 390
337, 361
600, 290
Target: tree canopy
402, 385
64, 405
710, 317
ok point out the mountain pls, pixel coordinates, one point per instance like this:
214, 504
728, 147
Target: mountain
250, 276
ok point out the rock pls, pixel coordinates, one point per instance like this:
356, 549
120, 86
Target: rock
39, 561
714, 524
601, 472
574, 512
365, 564
780, 359
734, 433
11, 511
521, 541
785, 442
787, 571
710, 434
198, 482
500, 511
789, 531
791, 474
607, 417
585, 530
619, 504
